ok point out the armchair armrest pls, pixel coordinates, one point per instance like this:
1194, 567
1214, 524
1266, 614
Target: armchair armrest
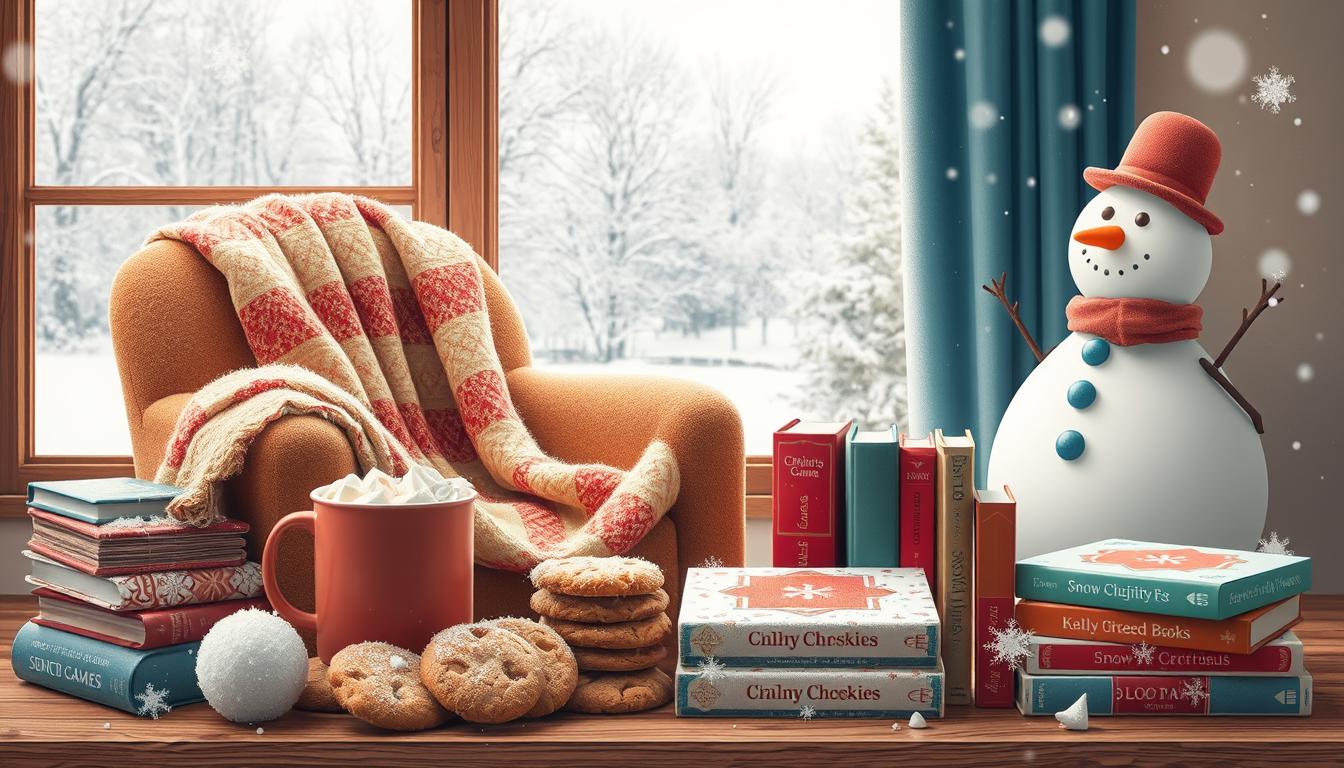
610, 419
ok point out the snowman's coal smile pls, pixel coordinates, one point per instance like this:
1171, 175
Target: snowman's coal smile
1120, 272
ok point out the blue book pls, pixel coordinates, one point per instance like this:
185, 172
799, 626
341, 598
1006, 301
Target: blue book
1170, 579
101, 500
872, 498
104, 673
1165, 695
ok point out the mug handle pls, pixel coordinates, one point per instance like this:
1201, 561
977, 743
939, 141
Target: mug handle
282, 606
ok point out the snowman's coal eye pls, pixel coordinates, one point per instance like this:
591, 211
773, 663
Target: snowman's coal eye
1107, 213
1141, 219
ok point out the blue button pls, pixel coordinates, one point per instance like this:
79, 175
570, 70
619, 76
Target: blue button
1082, 394
1096, 351
1069, 444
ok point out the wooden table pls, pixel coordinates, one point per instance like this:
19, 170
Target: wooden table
43, 728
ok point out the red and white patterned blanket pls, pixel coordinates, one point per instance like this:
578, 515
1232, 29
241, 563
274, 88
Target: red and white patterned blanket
393, 313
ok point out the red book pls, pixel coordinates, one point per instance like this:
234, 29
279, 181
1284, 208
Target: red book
136, 545
808, 494
995, 555
919, 475
153, 628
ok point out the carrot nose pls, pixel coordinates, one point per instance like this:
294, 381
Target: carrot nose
1109, 238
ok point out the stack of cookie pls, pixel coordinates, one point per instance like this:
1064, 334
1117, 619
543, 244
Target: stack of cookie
612, 611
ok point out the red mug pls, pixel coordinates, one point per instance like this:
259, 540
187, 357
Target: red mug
395, 573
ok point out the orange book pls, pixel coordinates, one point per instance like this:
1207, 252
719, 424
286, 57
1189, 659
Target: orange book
995, 555
1244, 633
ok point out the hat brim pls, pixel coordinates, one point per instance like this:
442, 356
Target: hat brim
1103, 178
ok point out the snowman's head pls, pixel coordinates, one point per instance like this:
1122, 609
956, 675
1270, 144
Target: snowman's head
1130, 244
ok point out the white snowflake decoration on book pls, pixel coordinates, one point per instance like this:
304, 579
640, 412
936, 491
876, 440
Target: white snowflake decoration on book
1010, 644
174, 587
1271, 90
1194, 691
1143, 653
710, 669
1274, 545
153, 702
807, 712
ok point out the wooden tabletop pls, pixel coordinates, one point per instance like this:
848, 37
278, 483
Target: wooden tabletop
42, 728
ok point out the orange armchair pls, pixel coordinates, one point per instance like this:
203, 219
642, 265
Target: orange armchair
174, 329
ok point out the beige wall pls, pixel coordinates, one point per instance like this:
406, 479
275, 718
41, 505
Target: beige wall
1276, 160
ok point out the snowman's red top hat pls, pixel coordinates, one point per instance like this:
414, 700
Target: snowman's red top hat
1173, 157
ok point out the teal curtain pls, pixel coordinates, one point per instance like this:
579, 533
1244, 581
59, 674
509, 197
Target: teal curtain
1003, 104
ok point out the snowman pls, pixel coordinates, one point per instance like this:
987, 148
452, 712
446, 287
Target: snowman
1128, 428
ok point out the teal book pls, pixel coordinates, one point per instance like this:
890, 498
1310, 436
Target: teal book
1166, 695
89, 669
1169, 579
101, 500
872, 498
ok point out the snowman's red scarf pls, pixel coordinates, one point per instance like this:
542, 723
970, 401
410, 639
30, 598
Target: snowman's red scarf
1134, 321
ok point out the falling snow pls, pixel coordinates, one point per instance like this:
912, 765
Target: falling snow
710, 669
1193, 690
807, 712
1274, 545
1010, 644
1305, 372
1271, 90
153, 702
1142, 653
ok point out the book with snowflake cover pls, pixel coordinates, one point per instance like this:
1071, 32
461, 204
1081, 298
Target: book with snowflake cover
808, 617
1157, 695
161, 589
712, 691
136, 545
1170, 579
142, 682
1066, 656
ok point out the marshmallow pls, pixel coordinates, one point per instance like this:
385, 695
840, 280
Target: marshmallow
420, 485
1075, 717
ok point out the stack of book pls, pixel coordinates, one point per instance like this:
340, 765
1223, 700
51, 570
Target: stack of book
808, 642
125, 594
1145, 628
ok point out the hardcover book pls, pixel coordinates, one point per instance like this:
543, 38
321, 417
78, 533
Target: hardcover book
1174, 580
1239, 634
788, 692
102, 499
1064, 656
824, 617
134, 545
808, 494
152, 628
995, 551
1152, 695
956, 494
161, 589
918, 476
106, 674
872, 499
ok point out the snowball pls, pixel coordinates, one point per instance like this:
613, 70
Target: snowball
1075, 717
917, 721
252, 666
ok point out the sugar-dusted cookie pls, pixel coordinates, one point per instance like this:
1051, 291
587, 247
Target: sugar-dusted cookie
484, 673
558, 665
619, 660
598, 576
627, 634
598, 610
605, 693
317, 695
380, 684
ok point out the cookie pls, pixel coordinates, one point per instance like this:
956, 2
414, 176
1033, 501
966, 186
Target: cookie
558, 665
617, 660
484, 673
625, 635
380, 684
317, 695
598, 610
609, 693
598, 576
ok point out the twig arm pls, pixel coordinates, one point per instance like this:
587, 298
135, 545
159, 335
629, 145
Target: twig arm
1248, 316
1241, 400
999, 291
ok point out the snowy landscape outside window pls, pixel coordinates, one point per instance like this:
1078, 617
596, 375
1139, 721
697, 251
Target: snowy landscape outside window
711, 191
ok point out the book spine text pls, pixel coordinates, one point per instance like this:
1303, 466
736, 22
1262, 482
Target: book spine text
1151, 695
917, 481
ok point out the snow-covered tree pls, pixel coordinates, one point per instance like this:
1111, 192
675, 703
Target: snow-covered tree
853, 343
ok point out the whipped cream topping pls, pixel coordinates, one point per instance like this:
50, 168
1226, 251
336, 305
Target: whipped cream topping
421, 485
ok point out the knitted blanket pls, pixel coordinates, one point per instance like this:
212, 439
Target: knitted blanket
392, 314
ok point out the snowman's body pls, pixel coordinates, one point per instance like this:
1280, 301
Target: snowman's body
1166, 454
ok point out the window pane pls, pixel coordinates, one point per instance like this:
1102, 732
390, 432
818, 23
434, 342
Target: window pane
223, 92
718, 202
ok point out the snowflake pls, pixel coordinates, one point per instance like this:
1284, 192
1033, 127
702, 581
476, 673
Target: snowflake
807, 592
1271, 90
1274, 545
710, 669
1194, 690
712, 562
1010, 645
1143, 653
1163, 559
807, 712
153, 702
